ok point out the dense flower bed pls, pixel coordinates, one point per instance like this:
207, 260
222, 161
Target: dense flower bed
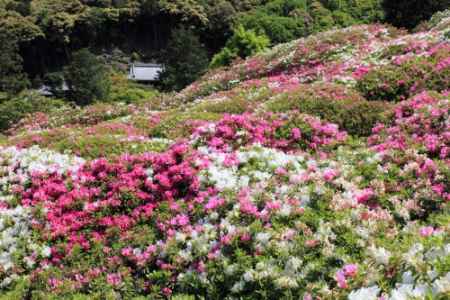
17, 250
252, 191
342, 56
214, 221
251, 220
273, 130
424, 121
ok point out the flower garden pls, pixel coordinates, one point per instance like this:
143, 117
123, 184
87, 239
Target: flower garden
319, 169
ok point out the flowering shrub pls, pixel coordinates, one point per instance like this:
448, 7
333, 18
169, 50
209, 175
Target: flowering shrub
335, 104
14, 109
422, 121
18, 252
264, 220
103, 140
259, 193
67, 116
277, 131
178, 124
408, 76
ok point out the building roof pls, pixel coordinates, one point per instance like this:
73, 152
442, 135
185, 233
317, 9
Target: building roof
45, 90
145, 72
147, 65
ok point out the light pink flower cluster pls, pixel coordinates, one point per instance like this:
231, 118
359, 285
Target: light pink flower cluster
423, 121
275, 131
342, 275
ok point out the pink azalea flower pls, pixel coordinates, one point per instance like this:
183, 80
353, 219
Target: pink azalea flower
426, 231
365, 195
329, 174
341, 280
296, 134
114, 279
350, 270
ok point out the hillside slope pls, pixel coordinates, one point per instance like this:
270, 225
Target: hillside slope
319, 169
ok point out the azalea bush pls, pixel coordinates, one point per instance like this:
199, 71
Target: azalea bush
72, 116
103, 140
405, 78
18, 252
422, 121
277, 131
335, 104
14, 109
177, 124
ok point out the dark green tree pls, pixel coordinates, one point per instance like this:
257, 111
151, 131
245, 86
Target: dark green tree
323, 19
185, 59
22, 7
281, 20
12, 78
87, 78
409, 13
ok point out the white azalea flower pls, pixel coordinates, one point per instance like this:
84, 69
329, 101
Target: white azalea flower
370, 293
442, 285
263, 237
408, 291
380, 255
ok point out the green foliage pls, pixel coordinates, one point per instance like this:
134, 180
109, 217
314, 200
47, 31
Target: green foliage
131, 94
186, 8
185, 59
224, 58
281, 20
89, 142
438, 17
184, 297
285, 20
236, 105
93, 146
409, 13
87, 78
385, 83
177, 124
367, 11
12, 78
242, 44
11, 111
17, 26
352, 113
57, 18
396, 83
246, 42
323, 19
19, 291
122, 90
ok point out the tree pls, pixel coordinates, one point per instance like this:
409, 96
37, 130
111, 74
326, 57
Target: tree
323, 19
12, 78
409, 13
87, 78
280, 20
185, 59
242, 44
